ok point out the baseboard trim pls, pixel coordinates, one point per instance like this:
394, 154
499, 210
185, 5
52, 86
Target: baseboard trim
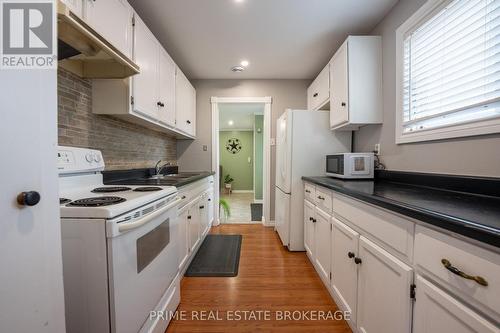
242, 191
266, 223
258, 201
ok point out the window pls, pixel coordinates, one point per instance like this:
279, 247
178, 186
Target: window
449, 71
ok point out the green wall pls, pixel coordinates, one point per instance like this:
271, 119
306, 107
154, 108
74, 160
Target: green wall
259, 155
237, 164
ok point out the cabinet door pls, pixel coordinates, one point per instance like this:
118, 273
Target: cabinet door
318, 92
203, 213
183, 239
384, 303
436, 311
145, 84
323, 241
344, 270
76, 6
185, 101
339, 94
112, 19
309, 227
194, 227
211, 206
166, 98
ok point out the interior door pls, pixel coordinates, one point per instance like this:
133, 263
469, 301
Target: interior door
112, 19
166, 110
283, 152
323, 243
309, 228
344, 270
31, 288
339, 91
145, 84
384, 303
436, 311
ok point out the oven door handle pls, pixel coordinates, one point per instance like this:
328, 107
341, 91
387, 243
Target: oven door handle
147, 218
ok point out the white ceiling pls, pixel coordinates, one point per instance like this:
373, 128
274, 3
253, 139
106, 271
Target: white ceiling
242, 115
282, 39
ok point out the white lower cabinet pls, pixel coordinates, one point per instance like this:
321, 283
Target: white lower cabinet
384, 303
193, 226
344, 281
436, 311
183, 239
323, 241
309, 228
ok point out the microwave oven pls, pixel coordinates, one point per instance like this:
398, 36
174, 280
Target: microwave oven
350, 165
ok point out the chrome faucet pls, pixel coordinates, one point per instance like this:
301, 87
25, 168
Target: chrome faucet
159, 166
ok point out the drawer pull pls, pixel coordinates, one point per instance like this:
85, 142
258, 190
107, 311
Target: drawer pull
315, 95
351, 254
321, 198
357, 260
314, 220
310, 219
447, 264
307, 191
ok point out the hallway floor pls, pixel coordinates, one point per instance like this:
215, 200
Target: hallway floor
240, 207
270, 279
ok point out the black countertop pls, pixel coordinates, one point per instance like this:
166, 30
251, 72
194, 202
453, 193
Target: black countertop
473, 211
143, 177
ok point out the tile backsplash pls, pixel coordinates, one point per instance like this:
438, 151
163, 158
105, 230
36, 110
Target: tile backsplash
124, 145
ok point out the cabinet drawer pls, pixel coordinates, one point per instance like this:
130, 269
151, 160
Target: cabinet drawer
323, 199
394, 232
310, 192
431, 247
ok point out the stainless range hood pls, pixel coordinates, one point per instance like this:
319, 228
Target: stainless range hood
84, 52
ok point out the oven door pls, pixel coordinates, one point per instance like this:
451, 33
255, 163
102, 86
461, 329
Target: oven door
335, 165
143, 261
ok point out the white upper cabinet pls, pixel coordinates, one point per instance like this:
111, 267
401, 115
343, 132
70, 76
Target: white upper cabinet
166, 87
112, 19
145, 86
318, 93
185, 101
356, 83
384, 303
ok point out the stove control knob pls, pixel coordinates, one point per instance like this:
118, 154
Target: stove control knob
97, 158
89, 157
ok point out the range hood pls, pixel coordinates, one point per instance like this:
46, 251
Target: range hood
84, 52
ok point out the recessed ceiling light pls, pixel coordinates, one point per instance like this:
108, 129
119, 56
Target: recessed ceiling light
230, 123
238, 69
238, 1
245, 63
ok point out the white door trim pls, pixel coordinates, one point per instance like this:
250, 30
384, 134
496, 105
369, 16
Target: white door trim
267, 101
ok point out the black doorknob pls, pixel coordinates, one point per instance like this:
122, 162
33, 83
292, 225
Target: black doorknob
30, 198
351, 254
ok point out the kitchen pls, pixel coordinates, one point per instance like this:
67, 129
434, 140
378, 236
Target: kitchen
380, 204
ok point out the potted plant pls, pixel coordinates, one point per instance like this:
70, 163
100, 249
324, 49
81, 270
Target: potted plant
227, 182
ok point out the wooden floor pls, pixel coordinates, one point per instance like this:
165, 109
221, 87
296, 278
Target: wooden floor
270, 279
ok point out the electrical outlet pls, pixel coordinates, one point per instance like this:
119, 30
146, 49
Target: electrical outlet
377, 149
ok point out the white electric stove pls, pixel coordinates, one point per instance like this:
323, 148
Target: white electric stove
120, 252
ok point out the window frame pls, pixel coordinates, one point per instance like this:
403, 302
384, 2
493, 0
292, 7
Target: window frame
474, 128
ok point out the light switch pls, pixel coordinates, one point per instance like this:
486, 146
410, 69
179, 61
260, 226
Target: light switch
205, 147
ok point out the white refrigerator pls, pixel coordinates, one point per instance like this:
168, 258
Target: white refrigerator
303, 139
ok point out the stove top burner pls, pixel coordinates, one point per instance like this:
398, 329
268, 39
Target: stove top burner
96, 201
63, 201
148, 189
111, 189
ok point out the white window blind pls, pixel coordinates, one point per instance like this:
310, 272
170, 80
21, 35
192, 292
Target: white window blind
452, 67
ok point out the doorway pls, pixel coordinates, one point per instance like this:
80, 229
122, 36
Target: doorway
240, 158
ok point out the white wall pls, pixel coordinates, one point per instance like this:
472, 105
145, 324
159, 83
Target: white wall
285, 94
478, 156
